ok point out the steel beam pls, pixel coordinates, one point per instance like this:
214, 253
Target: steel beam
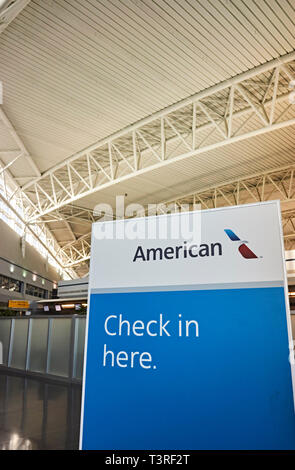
275, 184
258, 99
248, 105
9, 11
24, 153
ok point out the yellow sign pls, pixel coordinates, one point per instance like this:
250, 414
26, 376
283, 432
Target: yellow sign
18, 304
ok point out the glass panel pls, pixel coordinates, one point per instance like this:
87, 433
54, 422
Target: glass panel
38, 350
5, 282
60, 346
4, 337
36, 291
81, 322
14, 286
10, 284
18, 358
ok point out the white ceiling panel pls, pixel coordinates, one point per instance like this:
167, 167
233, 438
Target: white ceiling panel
76, 71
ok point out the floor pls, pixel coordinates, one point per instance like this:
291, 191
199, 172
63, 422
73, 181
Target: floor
35, 414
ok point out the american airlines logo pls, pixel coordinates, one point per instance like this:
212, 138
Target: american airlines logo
177, 252
192, 250
242, 244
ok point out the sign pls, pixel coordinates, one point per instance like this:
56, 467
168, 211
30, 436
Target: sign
188, 339
22, 304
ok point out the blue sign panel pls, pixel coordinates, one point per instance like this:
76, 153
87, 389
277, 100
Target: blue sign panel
194, 366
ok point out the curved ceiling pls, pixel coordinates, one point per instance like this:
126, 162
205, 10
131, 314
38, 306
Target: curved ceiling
75, 72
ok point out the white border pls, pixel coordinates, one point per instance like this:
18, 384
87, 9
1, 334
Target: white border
288, 315
85, 354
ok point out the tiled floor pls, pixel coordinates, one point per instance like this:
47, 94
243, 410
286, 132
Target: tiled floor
35, 414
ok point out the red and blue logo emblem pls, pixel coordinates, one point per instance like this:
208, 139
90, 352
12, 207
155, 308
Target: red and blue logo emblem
243, 248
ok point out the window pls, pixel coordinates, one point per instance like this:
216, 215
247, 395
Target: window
36, 291
39, 233
10, 284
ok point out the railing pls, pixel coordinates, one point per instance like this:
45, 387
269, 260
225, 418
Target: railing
48, 345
